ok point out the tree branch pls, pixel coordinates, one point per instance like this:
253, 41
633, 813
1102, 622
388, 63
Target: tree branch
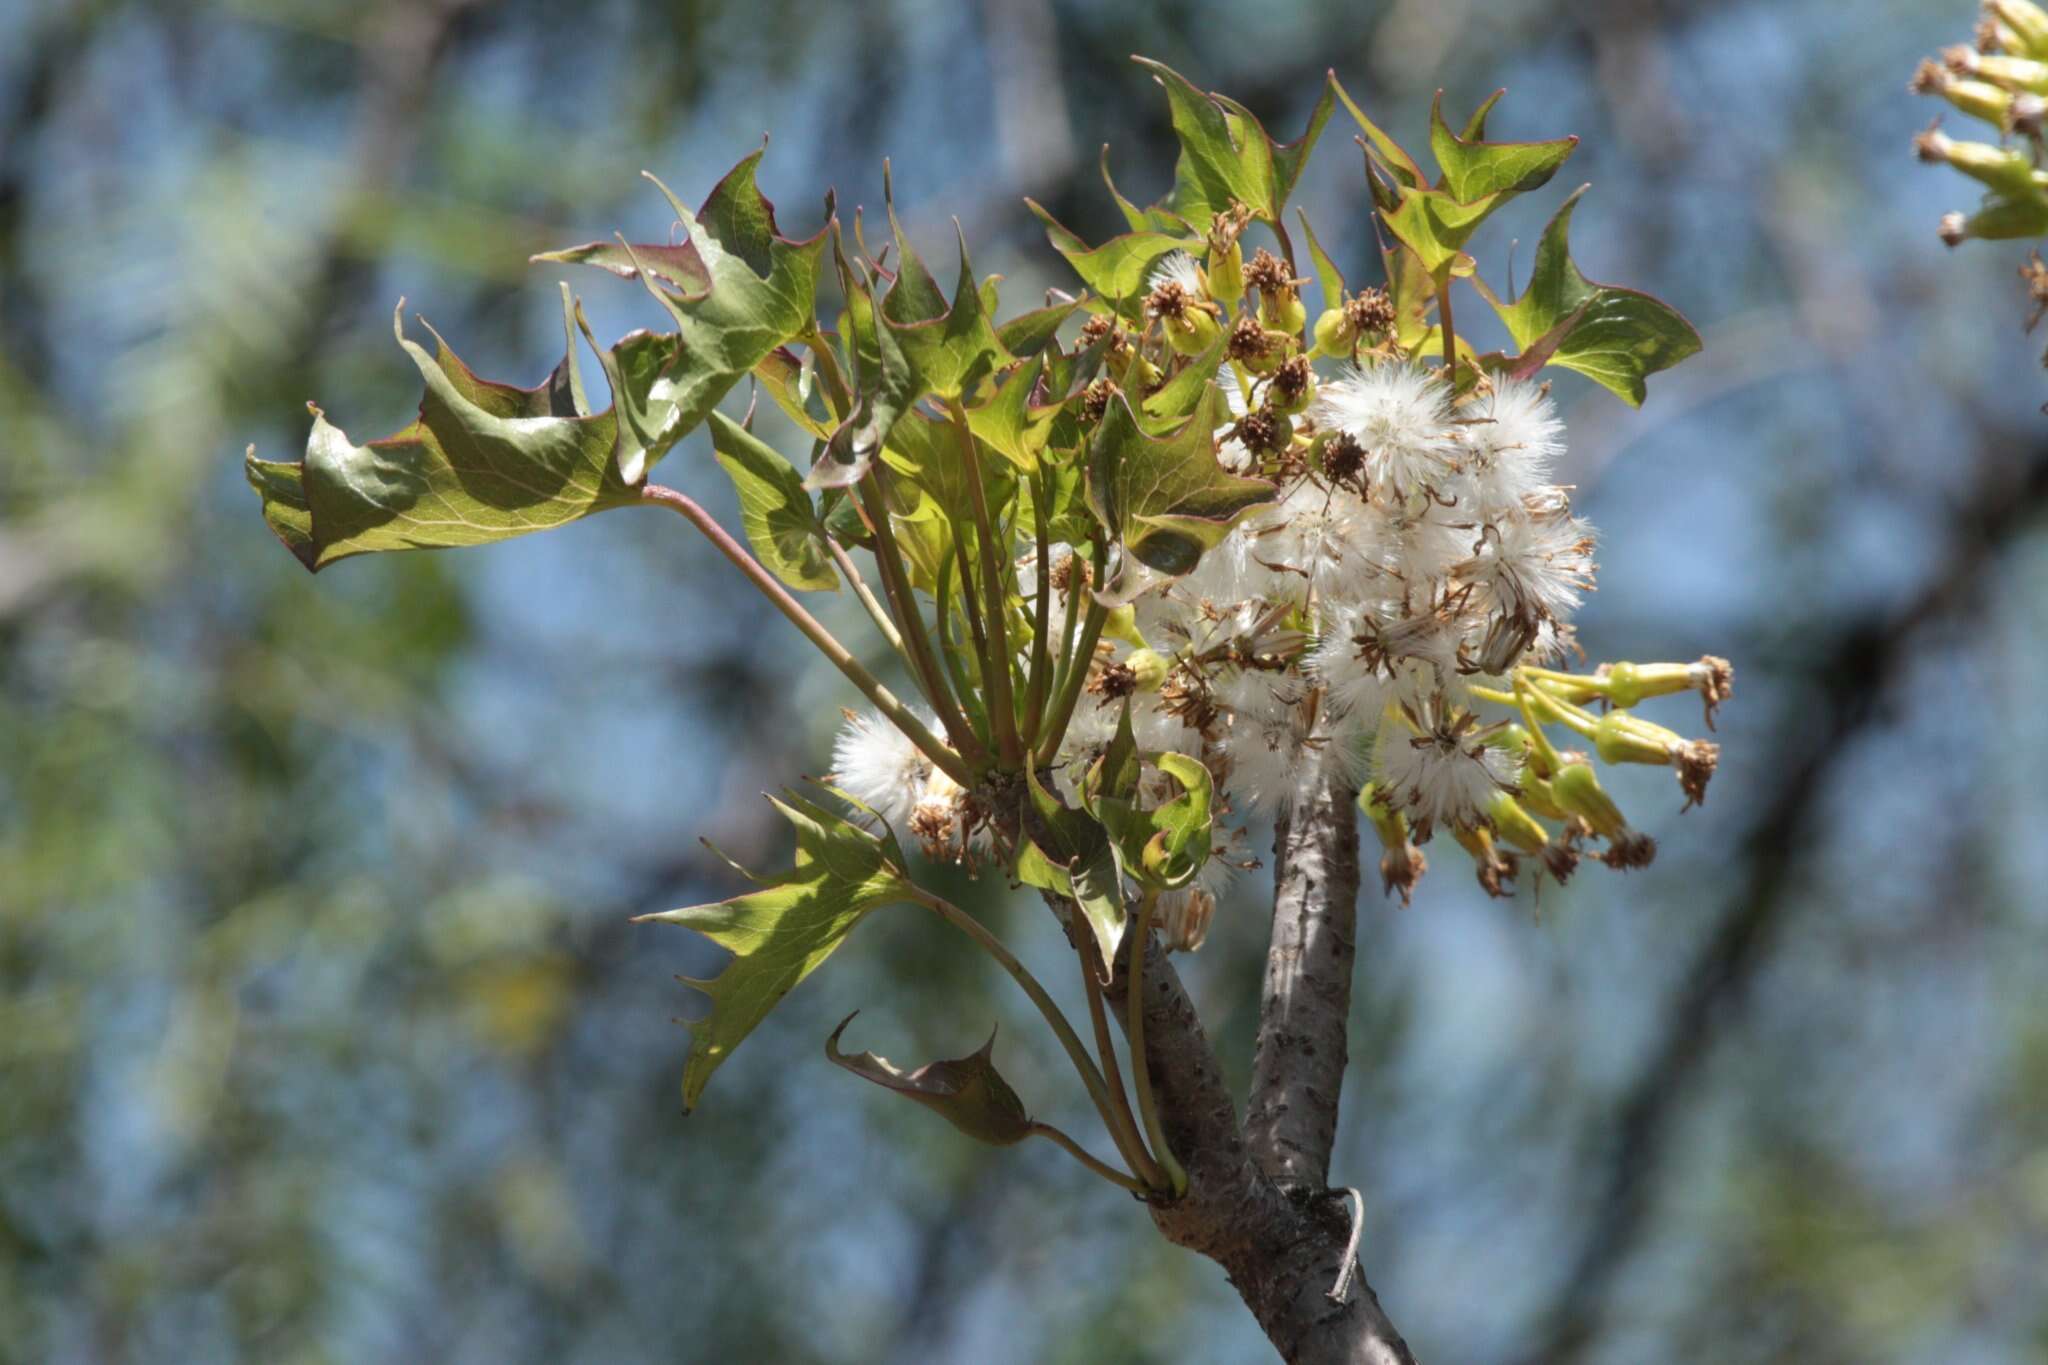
1305, 1006
1283, 1249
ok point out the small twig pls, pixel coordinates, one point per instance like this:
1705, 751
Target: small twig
884, 700
1080, 1154
1141, 1070
1341, 1290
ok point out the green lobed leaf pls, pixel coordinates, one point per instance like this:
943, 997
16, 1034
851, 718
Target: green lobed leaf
1154, 219
761, 292
783, 932
1616, 337
968, 1092
1183, 828
775, 512
885, 381
1030, 333
951, 346
1435, 225
1401, 168
1328, 278
1166, 407
1166, 497
1008, 420
1226, 154
1474, 170
483, 462
792, 383
926, 450
1116, 270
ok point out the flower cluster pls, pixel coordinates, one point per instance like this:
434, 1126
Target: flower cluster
1397, 617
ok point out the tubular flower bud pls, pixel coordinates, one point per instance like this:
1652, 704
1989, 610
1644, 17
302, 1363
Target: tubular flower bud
1626, 684
1622, 738
1401, 863
1193, 332
1577, 790
1251, 346
2028, 23
1283, 311
1226, 256
1148, 669
1513, 823
2008, 73
1294, 384
1495, 869
2011, 172
2001, 219
1978, 99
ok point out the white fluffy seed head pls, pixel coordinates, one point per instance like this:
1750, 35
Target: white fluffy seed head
1510, 440
1442, 777
1400, 414
876, 762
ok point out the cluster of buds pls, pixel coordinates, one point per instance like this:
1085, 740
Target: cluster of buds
1399, 615
2001, 80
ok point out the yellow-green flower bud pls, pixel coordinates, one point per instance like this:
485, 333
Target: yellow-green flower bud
1226, 271
1513, 823
1335, 336
2001, 219
2028, 22
1148, 669
1623, 738
1402, 863
2008, 171
1978, 99
2007, 73
1283, 311
1495, 869
1193, 332
1577, 789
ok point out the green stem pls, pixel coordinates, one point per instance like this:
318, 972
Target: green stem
1125, 1128
1080, 1154
1141, 1072
996, 676
1077, 1053
952, 653
875, 611
889, 561
1443, 309
1077, 663
885, 701
1041, 648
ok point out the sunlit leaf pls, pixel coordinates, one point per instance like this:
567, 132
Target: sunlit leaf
783, 932
1475, 170
1226, 155
775, 512
1065, 852
483, 462
1166, 497
1616, 337
1116, 270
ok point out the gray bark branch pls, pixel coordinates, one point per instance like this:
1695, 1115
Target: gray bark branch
1305, 1006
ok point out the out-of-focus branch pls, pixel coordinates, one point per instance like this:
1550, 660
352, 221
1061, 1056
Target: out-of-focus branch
1857, 671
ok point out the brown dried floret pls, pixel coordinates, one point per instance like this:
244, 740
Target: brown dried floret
1370, 311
